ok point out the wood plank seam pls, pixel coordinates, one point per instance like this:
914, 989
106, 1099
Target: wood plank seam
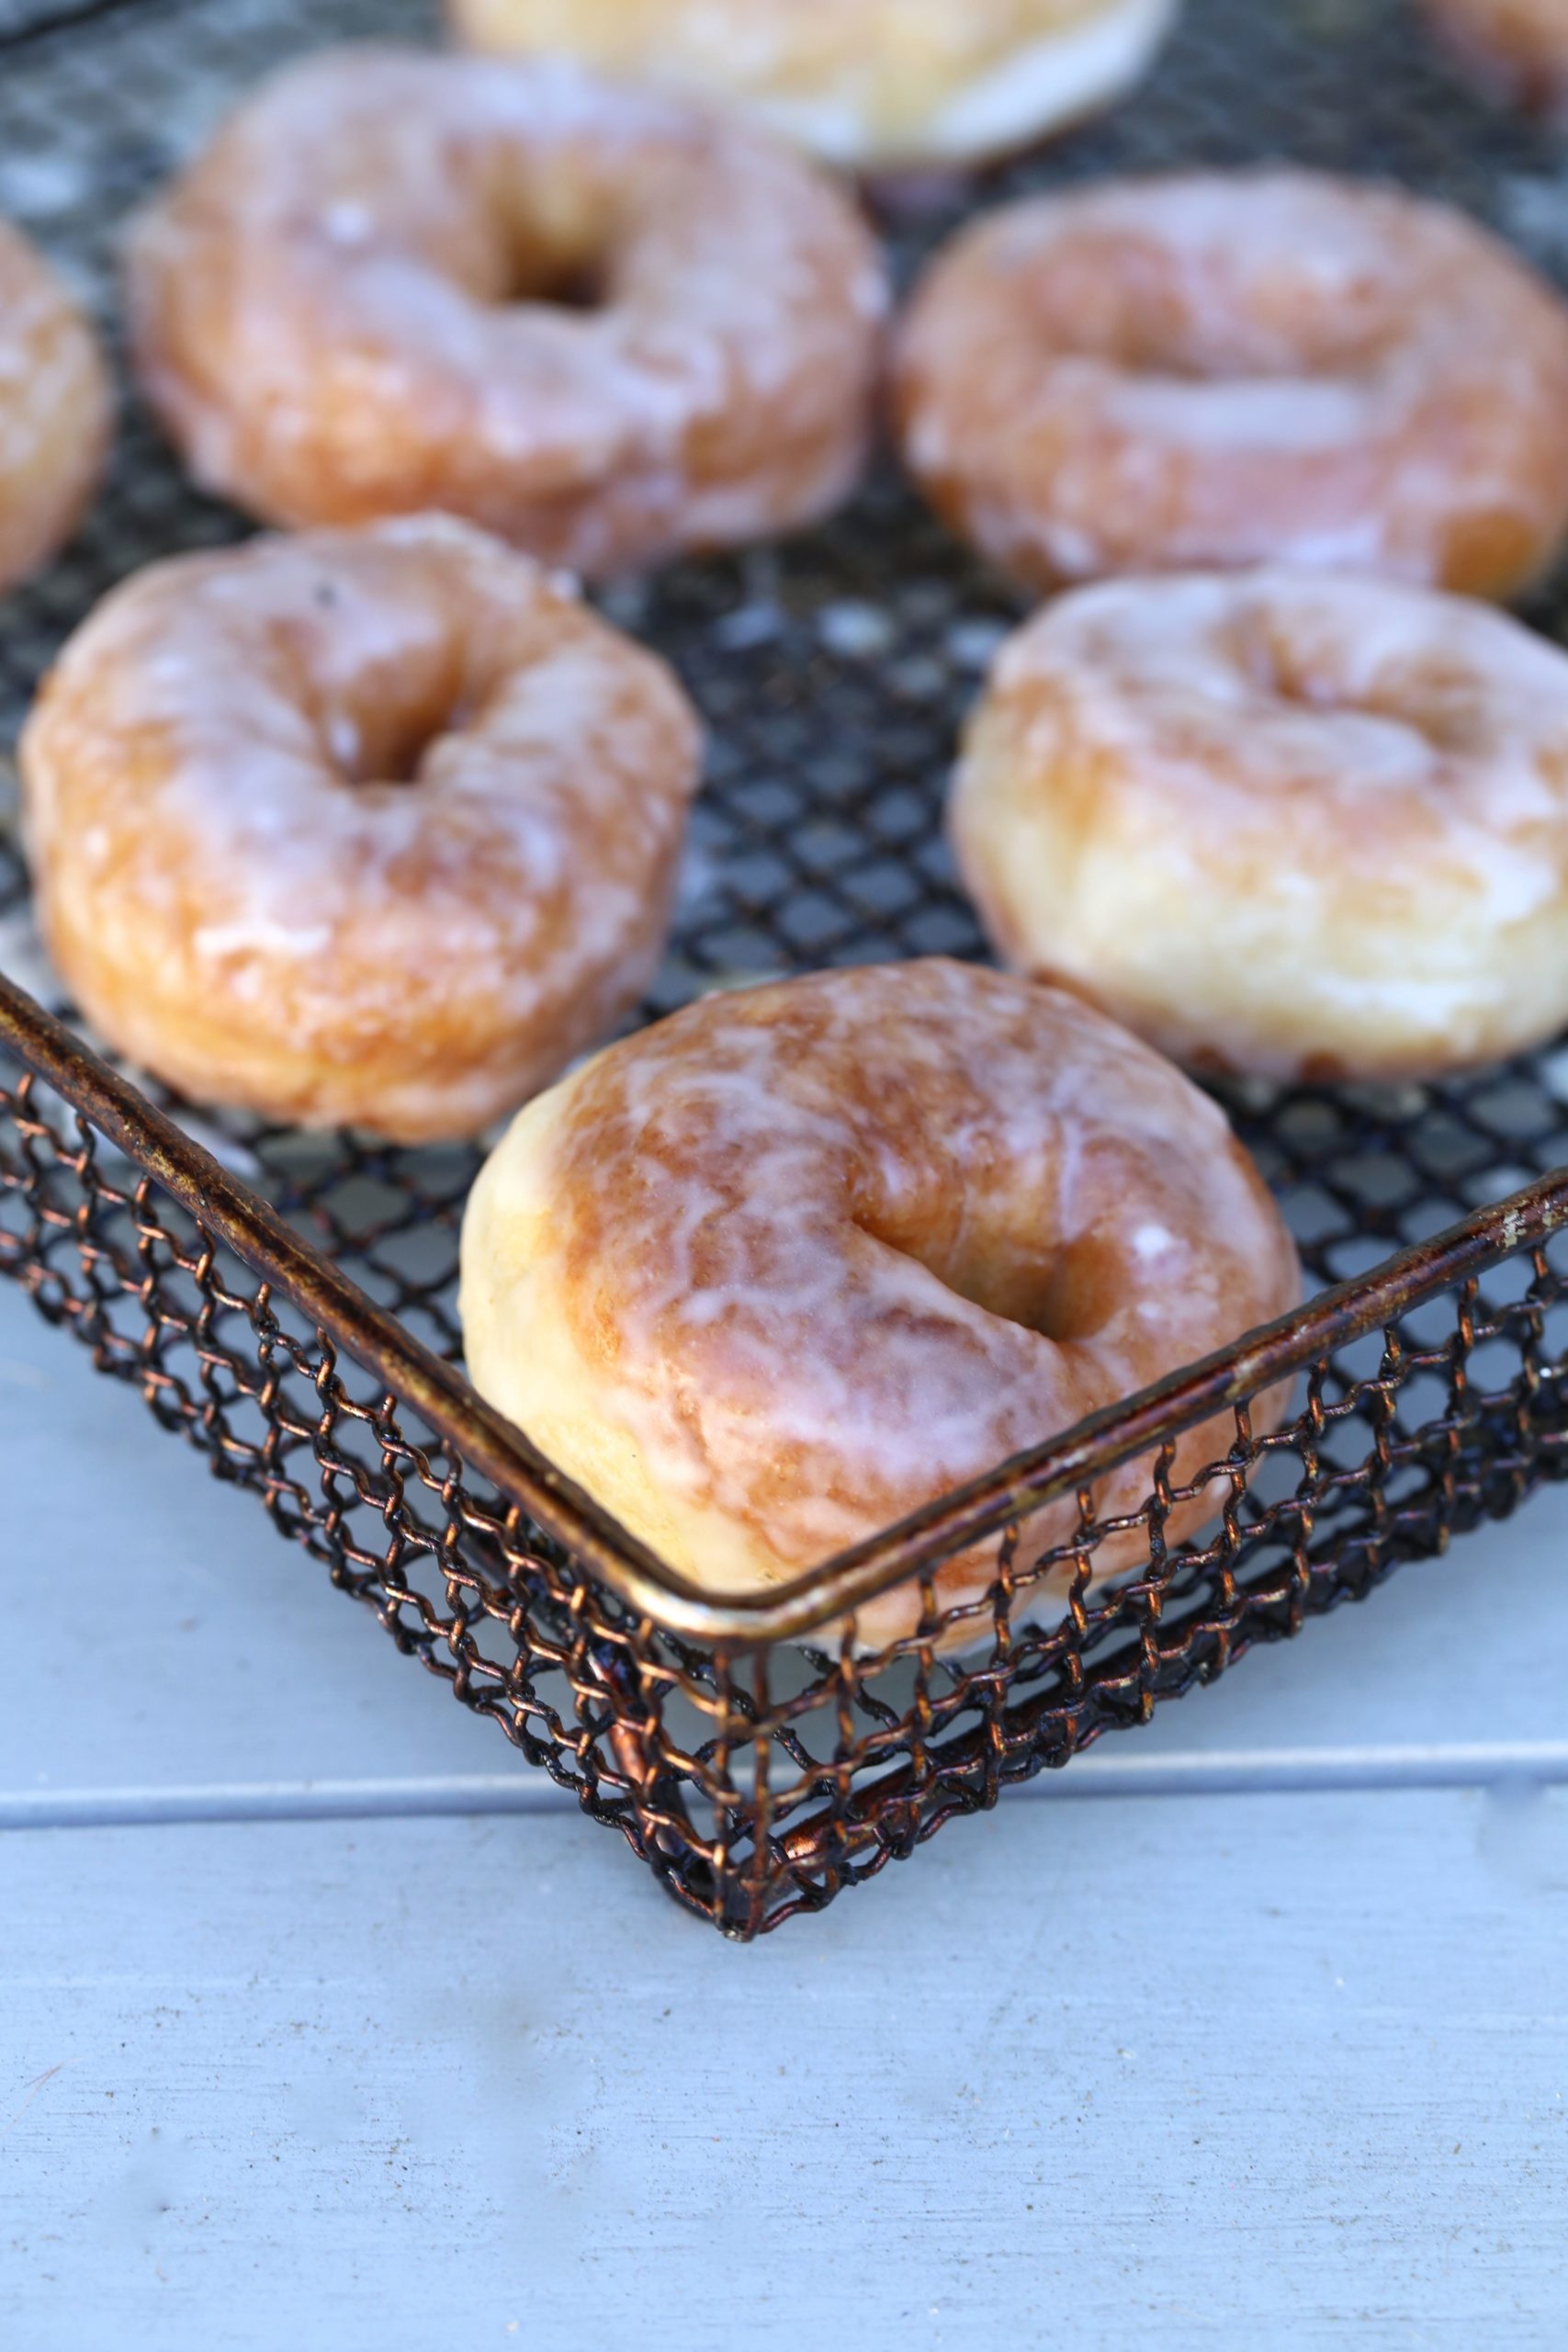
1234, 1772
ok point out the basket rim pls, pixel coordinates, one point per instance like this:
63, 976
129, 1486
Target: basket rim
377, 1341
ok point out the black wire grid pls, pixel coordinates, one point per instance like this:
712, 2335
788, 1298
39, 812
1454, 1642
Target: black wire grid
756, 1780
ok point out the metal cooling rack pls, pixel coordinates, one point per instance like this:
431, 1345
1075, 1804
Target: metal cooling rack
286, 1303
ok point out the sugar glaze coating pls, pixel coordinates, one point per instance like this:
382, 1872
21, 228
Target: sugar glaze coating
359, 301
373, 828
799, 1259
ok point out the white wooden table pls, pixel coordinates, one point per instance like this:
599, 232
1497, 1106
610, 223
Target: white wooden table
328, 2024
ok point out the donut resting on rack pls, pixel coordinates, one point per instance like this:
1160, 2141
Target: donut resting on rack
773, 1275
1279, 824
1217, 371
374, 828
595, 319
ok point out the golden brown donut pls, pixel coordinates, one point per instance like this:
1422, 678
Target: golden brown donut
360, 301
1223, 369
872, 85
376, 827
800, 1259
1519, 48
1281, 824
54, 410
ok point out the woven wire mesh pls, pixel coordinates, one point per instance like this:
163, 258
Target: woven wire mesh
832, 673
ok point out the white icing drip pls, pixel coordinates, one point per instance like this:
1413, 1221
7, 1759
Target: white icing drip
1263, 414
261, 935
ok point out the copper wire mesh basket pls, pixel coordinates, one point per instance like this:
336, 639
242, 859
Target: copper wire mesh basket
286, 1303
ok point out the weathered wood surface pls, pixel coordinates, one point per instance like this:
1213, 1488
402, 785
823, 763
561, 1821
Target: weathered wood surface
1270, 2045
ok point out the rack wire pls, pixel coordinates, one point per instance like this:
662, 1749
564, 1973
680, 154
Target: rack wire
286, 1302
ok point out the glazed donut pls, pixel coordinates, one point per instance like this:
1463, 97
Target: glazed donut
771, 1275
872, 85
1227, 369
1296, 826
54, 411
1517, 48
372, 828
359, 303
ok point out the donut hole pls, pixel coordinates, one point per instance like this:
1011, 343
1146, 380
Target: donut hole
1088, 1285
536, 278
1115, 298
386, 743
540, 252
1178, 348
1065, 1295
1067, 1298
1439, 702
